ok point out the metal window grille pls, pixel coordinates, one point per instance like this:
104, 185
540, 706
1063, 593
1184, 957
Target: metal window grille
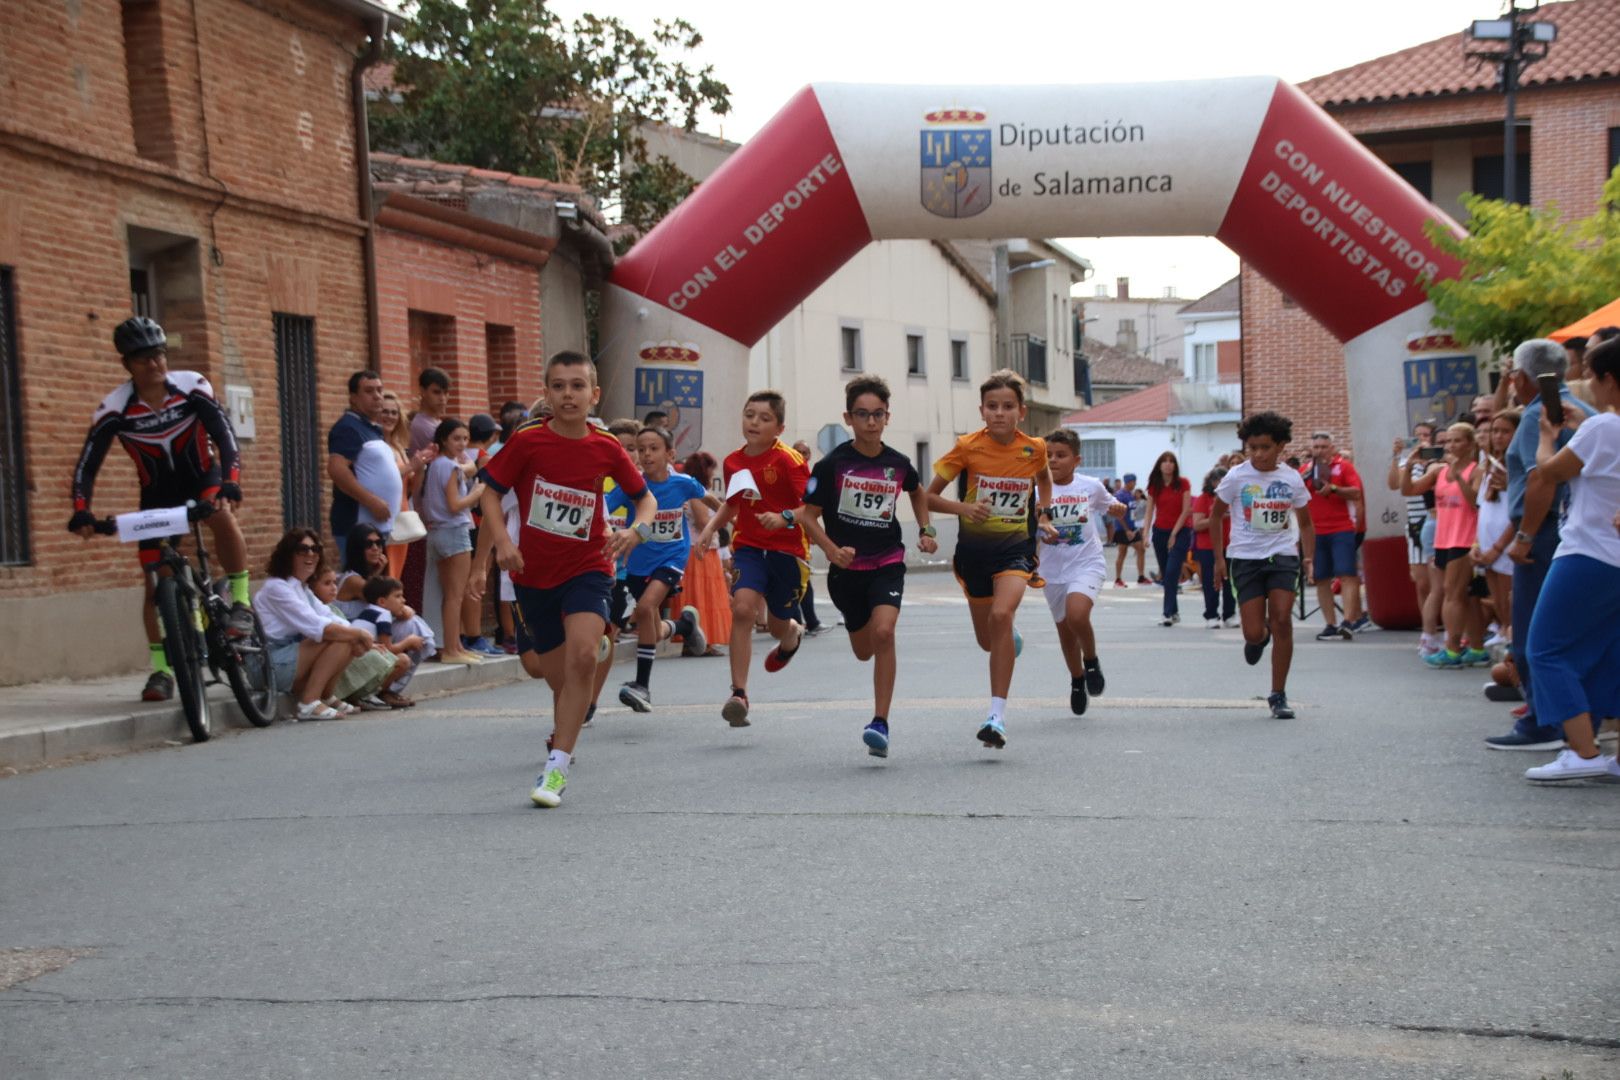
1097, 456
959, 359
300, 441
13, 483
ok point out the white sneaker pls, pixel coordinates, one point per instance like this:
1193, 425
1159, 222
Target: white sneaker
1569, 765
1231, 624
1212, 624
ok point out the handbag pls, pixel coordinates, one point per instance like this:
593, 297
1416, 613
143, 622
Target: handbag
408, 528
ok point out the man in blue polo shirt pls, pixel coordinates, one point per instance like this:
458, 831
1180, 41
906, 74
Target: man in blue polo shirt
1540, 356
366, 484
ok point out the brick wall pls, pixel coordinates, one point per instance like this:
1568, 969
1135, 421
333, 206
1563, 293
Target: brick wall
1291, 364
76, 197
442, 306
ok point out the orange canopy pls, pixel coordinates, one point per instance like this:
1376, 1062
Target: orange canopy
1607, 315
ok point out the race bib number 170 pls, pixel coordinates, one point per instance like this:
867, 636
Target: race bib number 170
562, 511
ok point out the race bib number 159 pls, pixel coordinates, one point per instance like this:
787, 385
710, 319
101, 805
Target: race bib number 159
562, 511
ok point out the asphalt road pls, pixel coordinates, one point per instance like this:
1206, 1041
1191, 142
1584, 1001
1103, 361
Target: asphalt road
1175, 885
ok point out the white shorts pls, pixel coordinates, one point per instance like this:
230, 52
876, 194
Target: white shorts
1083, 579
508, 593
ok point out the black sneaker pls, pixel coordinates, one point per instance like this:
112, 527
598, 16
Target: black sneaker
1329, 633
1253, 653
1503, 694
1279, 706
1077, 696
1094, 678
1538, 741
159, 687
239, 624
636, 697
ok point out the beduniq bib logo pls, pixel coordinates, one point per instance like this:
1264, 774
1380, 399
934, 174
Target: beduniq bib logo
955, 163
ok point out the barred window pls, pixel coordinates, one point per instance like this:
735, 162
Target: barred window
13, 481
300, 440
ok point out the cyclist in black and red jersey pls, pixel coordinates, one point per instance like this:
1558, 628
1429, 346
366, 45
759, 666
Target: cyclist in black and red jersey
167, 420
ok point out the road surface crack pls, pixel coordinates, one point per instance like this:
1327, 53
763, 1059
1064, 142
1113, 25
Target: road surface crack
1512, 1033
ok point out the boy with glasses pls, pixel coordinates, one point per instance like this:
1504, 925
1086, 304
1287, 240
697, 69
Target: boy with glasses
857, 487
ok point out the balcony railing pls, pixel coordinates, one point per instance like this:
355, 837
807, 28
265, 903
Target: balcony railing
1029, 357
1206, 397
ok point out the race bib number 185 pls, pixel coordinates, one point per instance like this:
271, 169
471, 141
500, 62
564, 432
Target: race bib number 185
562, 511
1269, 515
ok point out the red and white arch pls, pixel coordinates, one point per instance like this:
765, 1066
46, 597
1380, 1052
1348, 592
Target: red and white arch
1250, 161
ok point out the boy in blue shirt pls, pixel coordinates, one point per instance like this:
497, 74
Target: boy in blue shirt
655, 568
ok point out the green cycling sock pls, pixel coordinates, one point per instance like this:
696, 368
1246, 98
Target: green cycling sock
160, 659
239, 587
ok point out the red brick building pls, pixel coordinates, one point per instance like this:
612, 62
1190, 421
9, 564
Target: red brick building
198, 160
478, 274
1436, 116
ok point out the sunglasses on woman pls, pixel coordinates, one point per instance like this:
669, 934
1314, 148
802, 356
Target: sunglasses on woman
308, 549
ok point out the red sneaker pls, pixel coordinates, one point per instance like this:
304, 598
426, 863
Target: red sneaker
1119, 583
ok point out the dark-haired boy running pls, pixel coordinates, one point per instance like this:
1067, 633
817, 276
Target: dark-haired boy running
1265, 559
857, 487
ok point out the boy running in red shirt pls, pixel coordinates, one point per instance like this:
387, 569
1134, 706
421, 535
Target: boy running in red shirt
769, 549
562, 563
1008, 482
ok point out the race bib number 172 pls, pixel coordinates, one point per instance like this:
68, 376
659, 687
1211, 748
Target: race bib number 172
562, 511
1007, 497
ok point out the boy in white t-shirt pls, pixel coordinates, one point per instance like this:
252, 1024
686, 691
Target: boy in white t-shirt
1265, 559
1072, 562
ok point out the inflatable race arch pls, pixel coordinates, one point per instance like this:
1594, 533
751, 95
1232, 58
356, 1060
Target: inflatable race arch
1251, 161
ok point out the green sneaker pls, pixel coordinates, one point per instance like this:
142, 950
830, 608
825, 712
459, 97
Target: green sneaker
548, 788
1476, 658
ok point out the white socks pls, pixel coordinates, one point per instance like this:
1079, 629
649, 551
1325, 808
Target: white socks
998, 708
558, 760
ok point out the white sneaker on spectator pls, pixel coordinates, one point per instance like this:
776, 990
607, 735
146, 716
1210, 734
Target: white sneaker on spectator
1212, 624
1569, 765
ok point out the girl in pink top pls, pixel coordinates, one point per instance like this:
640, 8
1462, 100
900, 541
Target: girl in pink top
1455, 483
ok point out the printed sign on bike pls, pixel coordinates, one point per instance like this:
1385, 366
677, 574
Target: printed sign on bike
152, 524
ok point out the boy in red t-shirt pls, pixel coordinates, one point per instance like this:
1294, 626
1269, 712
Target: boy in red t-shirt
769, 548
562, 563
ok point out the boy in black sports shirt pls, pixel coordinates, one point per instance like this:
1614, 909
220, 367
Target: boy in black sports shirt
849, 512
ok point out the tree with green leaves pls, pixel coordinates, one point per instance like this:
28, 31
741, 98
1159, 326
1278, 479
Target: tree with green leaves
505, 84
1525, 271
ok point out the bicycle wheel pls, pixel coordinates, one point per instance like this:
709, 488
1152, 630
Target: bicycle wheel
183, 643
247, 666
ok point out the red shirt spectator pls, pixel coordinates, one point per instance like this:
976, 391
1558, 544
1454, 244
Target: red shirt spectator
1328, 481
1202, 505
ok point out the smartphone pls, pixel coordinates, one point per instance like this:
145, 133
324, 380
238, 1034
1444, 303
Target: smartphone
1431, 453
1550, 401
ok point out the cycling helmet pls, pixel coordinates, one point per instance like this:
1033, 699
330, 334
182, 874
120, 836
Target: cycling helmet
138, 335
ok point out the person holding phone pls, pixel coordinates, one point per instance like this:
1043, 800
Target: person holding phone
1336, 495
1412, 458
1532, 559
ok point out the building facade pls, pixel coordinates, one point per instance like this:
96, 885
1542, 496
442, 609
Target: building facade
197, 162
1140, 325
1436, 117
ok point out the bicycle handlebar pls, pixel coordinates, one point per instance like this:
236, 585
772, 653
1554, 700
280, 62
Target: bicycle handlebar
195, 511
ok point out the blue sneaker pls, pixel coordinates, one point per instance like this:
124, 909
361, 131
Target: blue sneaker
1018, 643
1476, 658
992, 734
876, 738
1445, 658
482, 646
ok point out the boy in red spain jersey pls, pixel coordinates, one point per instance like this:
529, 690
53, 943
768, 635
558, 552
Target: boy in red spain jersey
1008, 485
562, 562
765, 483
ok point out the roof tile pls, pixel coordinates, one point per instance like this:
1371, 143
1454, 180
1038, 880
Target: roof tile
1151, 405
1588, 47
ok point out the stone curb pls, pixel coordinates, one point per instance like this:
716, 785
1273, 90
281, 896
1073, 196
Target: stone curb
50, 744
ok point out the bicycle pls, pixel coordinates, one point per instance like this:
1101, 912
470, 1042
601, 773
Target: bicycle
193, 612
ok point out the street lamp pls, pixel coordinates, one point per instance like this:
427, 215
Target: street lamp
1520, 44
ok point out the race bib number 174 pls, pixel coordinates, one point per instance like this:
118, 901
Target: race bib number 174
562, 511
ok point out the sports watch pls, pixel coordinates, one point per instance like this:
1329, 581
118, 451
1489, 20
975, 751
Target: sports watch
928, 531
644, 530
787, 516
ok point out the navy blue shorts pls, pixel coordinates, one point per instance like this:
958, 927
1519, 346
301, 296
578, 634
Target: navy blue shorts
777, 576
1335, 555
669, 575
540, 612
